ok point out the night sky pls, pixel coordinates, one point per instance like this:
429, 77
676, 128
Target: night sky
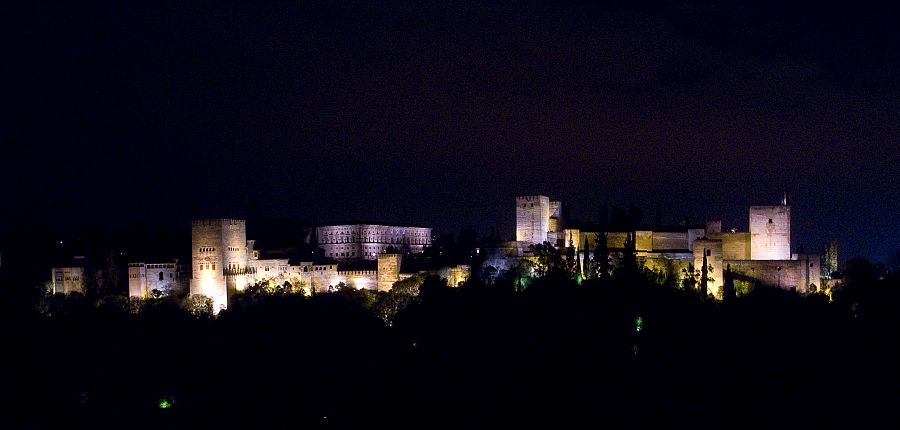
440, 115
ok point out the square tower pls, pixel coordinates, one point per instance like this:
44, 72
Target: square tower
532, 219
388, 271
770, 232
219, 259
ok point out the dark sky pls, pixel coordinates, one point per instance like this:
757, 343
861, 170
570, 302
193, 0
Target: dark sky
439, 115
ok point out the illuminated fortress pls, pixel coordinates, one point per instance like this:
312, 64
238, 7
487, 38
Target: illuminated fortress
761, 255
223, 262
368, 256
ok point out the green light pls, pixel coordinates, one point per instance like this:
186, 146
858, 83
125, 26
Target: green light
166, 402
638, 324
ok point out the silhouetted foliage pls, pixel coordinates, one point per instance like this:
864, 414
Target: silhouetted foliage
729, 293
829, 259
548, 259
623, 353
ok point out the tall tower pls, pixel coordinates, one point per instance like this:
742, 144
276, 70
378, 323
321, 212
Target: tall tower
218, 259
532, 219
770, 232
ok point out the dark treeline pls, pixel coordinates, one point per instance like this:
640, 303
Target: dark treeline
621, 352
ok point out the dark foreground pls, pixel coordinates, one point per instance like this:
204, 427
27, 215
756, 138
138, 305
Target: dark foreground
554, 355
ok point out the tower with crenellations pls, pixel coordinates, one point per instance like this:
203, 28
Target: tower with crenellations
218, 259
532, 219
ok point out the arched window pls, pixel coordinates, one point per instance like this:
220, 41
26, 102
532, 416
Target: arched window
160, 276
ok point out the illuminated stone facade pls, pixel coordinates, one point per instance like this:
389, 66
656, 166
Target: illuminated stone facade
218, 259
539, 220
532, 219
770, 232
143, 278
67, 279
801, 273
366, 241
761, 255
388, 270
457, 275
305, 276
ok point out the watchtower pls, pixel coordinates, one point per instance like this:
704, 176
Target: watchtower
532, 219
218, 258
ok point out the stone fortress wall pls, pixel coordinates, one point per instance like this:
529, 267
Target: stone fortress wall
67, 279
223, 261
143, 278
762, 255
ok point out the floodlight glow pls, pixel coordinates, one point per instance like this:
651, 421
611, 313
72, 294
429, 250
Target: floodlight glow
166, 402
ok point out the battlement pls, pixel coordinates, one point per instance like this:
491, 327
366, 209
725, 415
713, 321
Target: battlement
218, 221
153, 265
349, 273
239, 271
532, 198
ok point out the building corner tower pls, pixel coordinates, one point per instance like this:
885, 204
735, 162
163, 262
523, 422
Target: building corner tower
218, 259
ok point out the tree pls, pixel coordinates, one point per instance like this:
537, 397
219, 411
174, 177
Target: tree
409, 286
729, 294
488, 275
629, 269
600, 267
829, 259
571, 263
704, 276
389, 304
199, 305
547, 258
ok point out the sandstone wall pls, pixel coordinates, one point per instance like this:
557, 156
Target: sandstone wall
532, 219
795, 275
664, 240
67, 279
643, 240
137, 280
388, 270
736, 246
770, 232
217, 245
143, 278
616, 239
360, 279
